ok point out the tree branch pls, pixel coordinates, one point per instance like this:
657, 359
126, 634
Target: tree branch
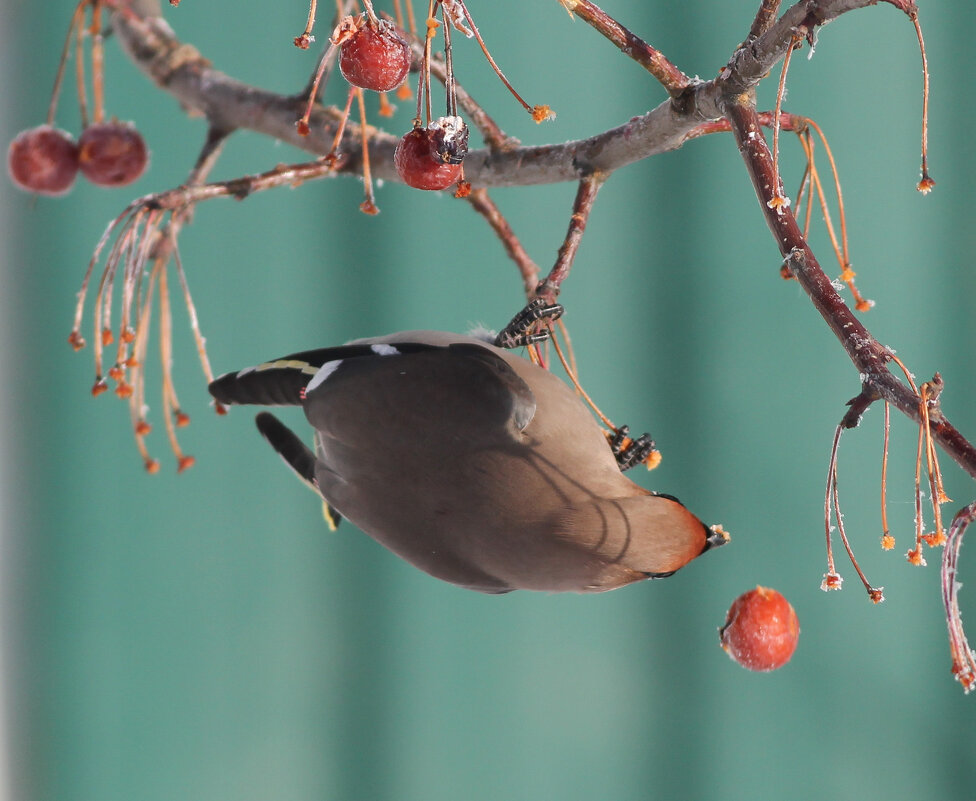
586, 194
654, 61
182, 71
869, 356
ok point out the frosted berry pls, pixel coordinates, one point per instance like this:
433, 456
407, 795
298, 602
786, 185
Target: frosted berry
376, 56
112, 153
430, 158
761, 630
43, 160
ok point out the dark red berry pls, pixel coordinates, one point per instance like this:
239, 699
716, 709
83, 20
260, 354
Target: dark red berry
112, 153
423, 159
375, 57
761, 630
43, 160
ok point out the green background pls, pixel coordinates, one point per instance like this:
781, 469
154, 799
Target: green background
203, 637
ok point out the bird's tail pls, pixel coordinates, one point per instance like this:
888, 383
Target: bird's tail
280, 382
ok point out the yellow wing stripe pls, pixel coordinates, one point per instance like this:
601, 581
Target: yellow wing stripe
288, 364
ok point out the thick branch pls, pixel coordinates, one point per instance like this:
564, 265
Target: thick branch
528, 269
183, 72
869, 356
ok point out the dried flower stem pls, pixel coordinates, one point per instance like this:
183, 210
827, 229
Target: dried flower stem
304, 39
887, 541
778, 198
535, 111
926, 183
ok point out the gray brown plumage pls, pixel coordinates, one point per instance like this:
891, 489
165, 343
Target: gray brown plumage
471, 463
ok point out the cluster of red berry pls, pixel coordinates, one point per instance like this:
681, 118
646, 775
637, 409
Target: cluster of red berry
46, 159
374, 54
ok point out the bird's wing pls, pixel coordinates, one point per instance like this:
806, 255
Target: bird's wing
282, 381
462, 390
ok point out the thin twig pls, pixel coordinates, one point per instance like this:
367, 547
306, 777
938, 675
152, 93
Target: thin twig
586, 194
765, 17
963, 657
528, 269
651, 59
868, 355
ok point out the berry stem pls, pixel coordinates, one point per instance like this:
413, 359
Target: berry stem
491, 61
333, 154
170, 402
780, 93
431, 32
368, 205
370, 13
887, 542
304, 39
831, 579
449, 83
317, 84
191, 309
63, 62
80, 73
493, 136
98, 62
926, 183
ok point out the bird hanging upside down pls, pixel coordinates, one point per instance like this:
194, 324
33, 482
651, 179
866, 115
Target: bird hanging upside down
470, 462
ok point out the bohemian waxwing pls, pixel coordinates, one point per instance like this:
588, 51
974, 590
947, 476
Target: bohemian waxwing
470, 462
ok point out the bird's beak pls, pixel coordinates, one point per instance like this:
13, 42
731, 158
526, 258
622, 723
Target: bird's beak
715, 536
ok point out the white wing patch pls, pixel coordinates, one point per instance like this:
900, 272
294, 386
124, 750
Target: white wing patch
384, 350
323, 373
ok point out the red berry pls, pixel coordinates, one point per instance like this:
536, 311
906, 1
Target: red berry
112, 153
376, 58
43, 160
430, 158
761, 630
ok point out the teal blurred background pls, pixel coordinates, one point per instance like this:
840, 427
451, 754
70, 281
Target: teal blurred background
202, 636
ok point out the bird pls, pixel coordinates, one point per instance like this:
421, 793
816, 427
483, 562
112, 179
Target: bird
470, 462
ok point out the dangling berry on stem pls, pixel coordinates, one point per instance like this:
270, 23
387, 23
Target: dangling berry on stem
373, 54
112, 153
43, 160
430, 158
